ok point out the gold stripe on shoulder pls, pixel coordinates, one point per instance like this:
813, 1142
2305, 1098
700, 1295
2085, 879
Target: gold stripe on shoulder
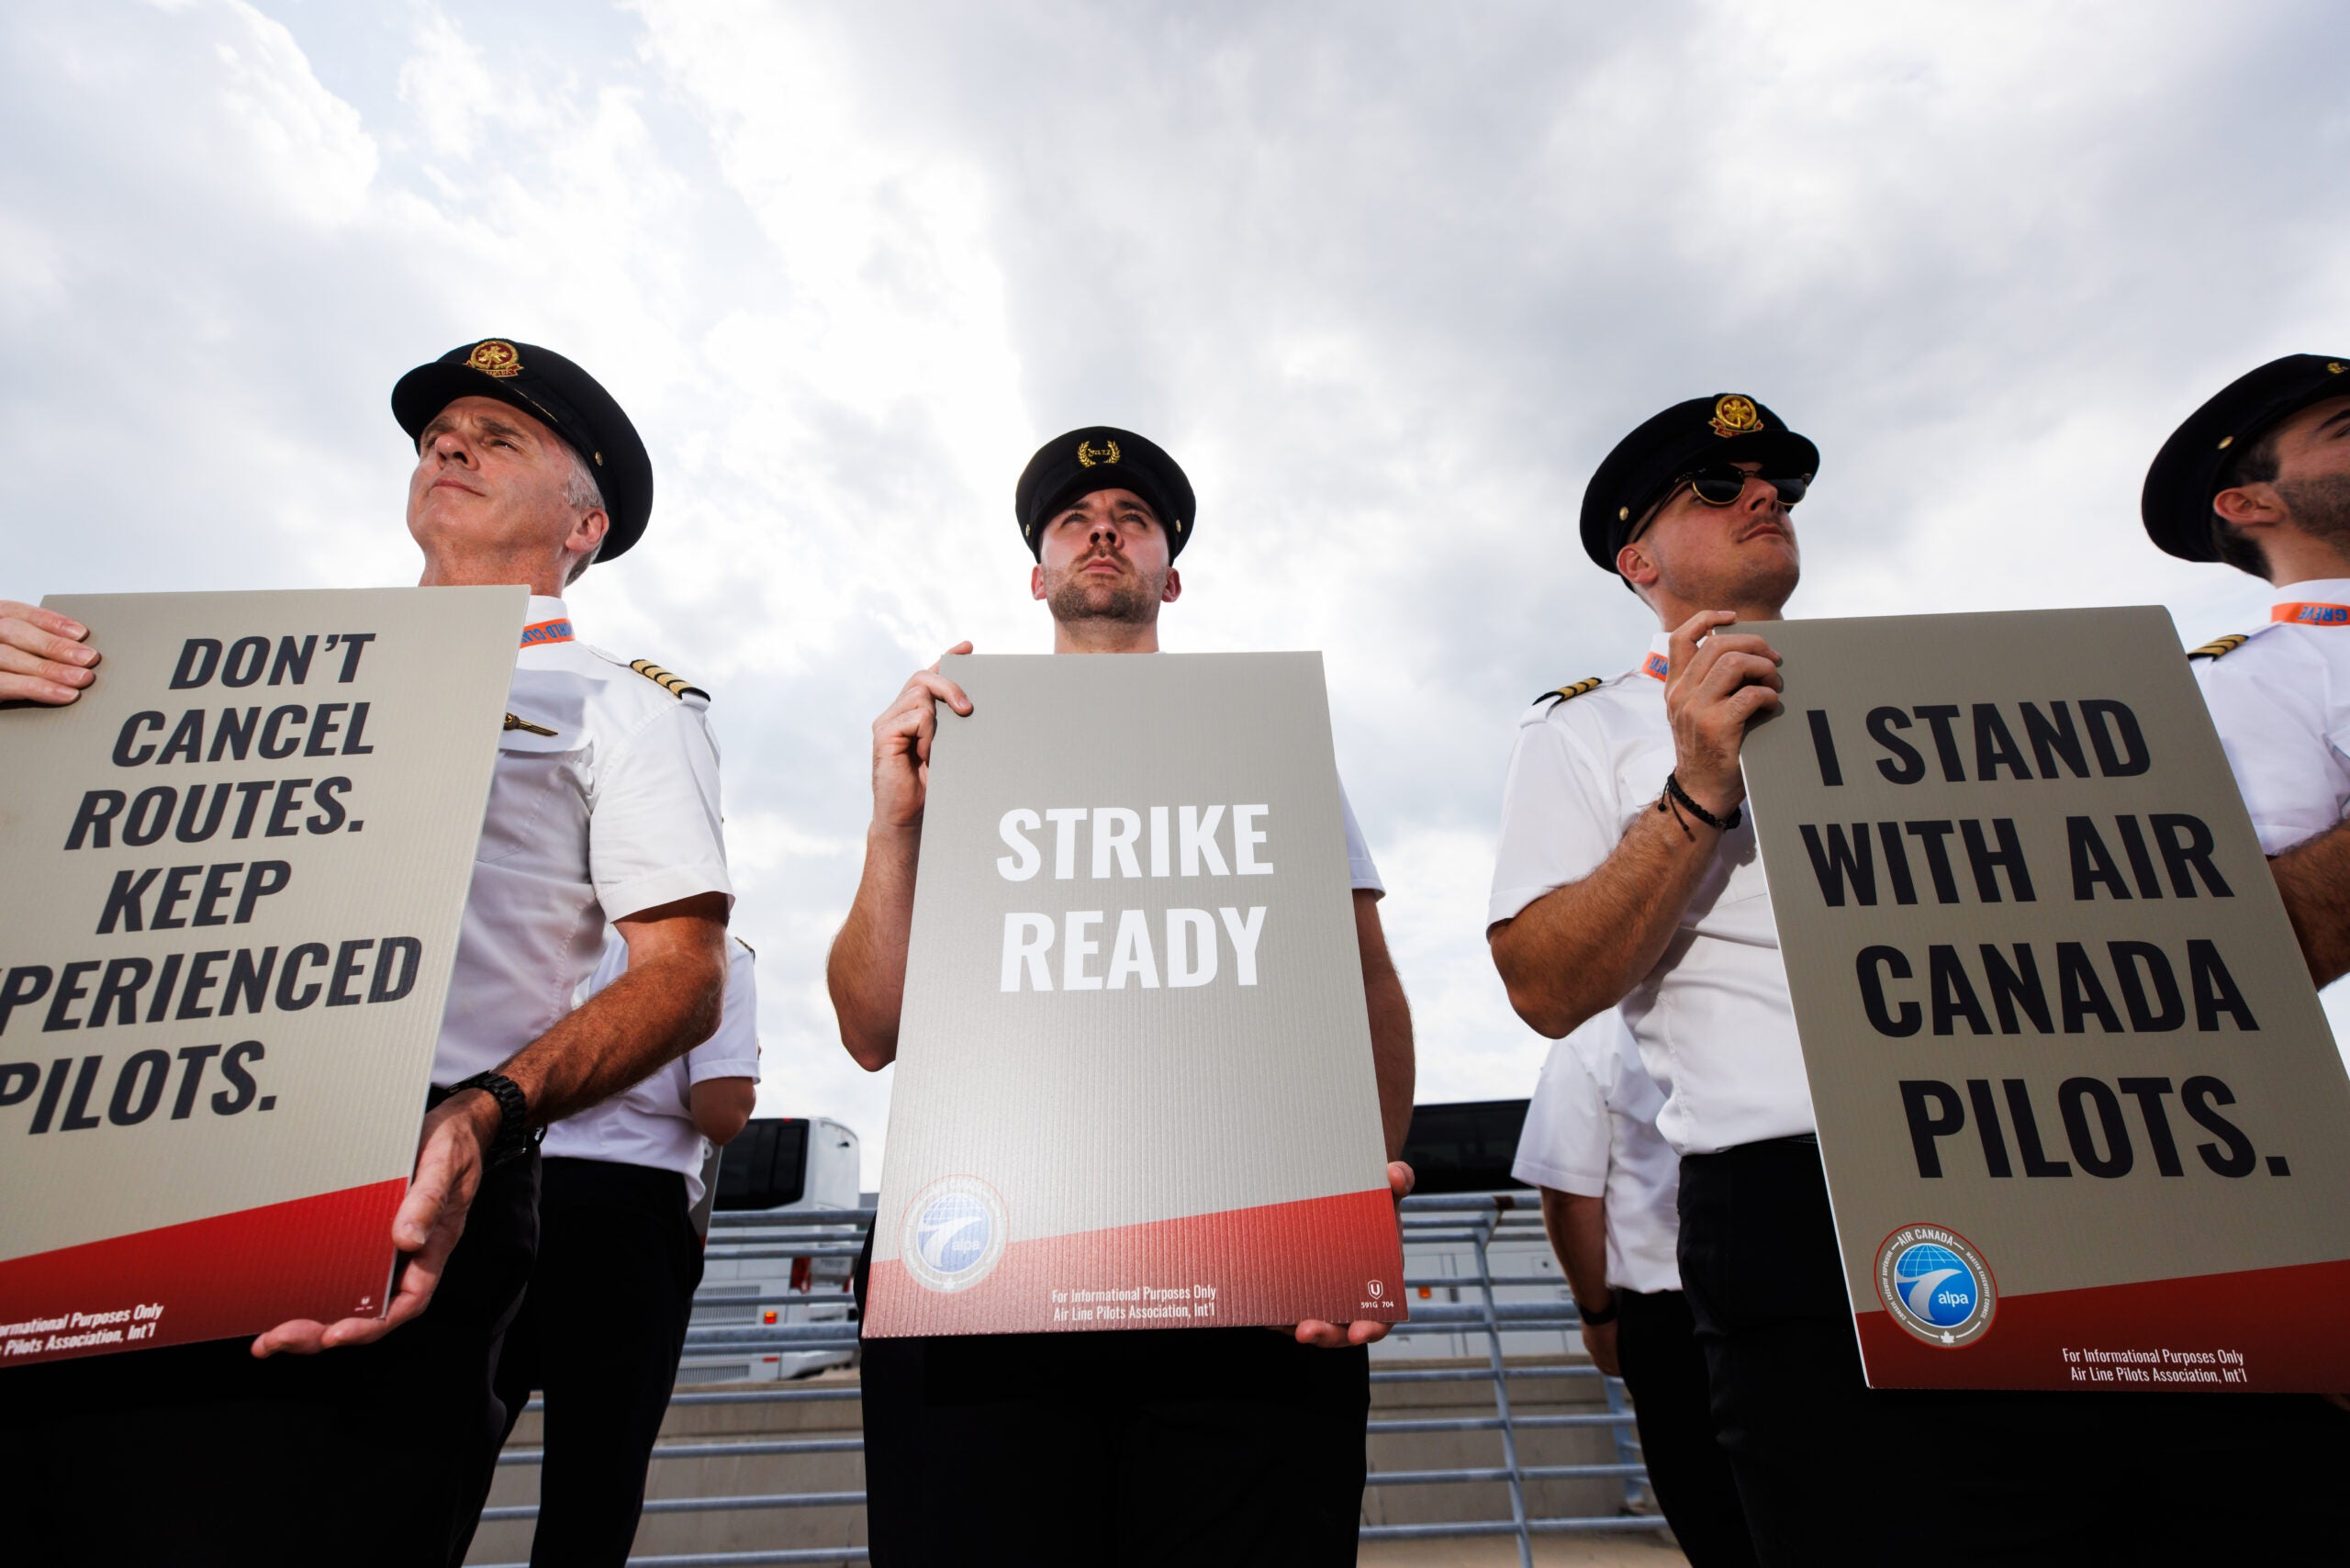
1568, 693
2219, 647
675, 685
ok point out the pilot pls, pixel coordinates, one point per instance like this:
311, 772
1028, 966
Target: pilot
374, 1439
1145, 1445
619, 1186
1627, 875
1609, 1183
2259, 478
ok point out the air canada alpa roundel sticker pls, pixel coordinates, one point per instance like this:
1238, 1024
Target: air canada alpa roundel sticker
954, 1233
1936, 1286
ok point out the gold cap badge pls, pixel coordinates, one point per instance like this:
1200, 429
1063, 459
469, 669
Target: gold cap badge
1734, 415
1089, 454
495, 356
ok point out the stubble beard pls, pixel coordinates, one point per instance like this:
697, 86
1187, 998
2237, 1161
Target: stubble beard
1751, 582
2320, 506
1075, 599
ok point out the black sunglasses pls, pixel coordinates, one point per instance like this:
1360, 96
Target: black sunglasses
1722, 483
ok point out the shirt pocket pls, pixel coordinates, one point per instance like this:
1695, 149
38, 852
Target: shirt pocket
1734, 902
1738, 862
1736, 876
539, 779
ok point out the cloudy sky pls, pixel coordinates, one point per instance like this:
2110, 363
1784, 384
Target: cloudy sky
1389, 279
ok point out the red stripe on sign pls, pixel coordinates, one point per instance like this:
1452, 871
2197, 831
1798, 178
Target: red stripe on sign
326, 1257
2286, 1324
1336, 1259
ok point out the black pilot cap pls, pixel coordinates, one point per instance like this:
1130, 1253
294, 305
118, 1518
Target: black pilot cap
559, 394
2187, 473
1100, 457
1728, 427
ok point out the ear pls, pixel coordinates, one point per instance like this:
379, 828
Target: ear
1037, 581
1633, 565
1174, 589
2250, 505
588, 532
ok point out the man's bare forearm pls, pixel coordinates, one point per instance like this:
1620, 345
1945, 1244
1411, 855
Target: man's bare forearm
1577, 1227
667, 1001
867, 971
2314, 879
721, 1107
1576, 950
1391, 1057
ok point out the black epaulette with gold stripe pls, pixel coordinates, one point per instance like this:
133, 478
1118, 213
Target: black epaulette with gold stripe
2221, 646
1568, 693
677, 686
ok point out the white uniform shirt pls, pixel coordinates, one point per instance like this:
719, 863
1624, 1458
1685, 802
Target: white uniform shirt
652, 1122
1591, 1130
614, 812
2281, 703
1715, 1024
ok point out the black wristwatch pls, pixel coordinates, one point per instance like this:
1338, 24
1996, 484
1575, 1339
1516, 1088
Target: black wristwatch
515, 1136
1601, 1320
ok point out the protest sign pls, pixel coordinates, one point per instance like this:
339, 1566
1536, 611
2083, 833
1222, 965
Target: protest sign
235, 868
2084, 1122
1134, 1083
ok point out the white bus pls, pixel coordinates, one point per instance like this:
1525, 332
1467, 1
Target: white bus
780, 1166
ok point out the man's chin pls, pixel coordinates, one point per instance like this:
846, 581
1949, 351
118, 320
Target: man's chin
1777, 587
446, 514
1773, 555
1761, 580
1099, 602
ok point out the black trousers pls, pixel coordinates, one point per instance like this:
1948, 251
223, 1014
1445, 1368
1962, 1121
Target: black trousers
1139, 1447
201, 1455
1830, 1470
600, 1333
1664, 1368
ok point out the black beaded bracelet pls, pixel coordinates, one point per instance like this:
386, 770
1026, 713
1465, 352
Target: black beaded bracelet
1673, 788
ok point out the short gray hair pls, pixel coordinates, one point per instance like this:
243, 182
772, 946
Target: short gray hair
581, 490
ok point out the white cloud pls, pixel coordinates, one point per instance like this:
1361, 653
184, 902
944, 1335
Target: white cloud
448, 84
1389, 280
285, 127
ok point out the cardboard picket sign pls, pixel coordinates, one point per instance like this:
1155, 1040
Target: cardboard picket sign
2084, 1122
1134, 1083
236, 870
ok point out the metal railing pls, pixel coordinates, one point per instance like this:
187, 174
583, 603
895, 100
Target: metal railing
1477, 1220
